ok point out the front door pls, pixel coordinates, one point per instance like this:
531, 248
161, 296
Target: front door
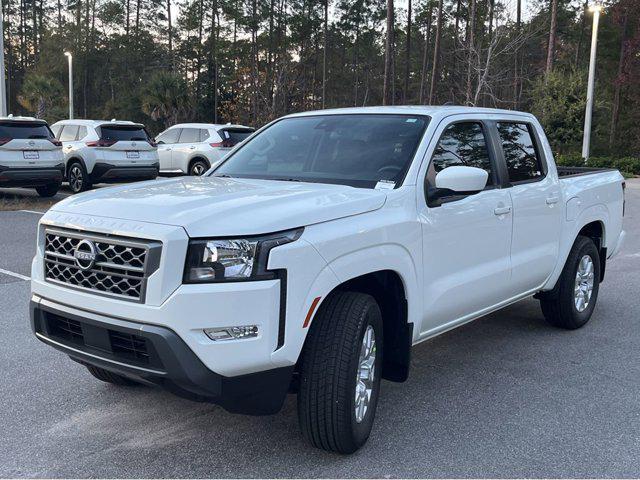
466, 239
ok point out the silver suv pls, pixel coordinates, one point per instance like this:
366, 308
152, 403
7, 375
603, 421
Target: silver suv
98, 151
30, 156
193, 148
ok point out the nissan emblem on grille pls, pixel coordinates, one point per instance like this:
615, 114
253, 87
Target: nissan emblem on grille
85, 254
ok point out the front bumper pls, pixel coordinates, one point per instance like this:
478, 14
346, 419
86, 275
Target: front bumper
157, 355
31, 177
108, 173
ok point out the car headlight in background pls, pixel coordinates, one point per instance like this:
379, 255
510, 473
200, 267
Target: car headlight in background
236, 259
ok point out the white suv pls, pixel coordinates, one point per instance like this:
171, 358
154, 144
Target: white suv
30, 156
193, 148
97, 151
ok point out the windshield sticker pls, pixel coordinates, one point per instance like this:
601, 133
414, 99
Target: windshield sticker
385, 185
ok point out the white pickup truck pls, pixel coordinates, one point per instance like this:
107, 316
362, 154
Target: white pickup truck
318, 253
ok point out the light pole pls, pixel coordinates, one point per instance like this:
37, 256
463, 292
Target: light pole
70, 57
3, 82
586, 139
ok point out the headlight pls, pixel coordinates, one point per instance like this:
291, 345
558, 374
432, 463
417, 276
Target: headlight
227, 260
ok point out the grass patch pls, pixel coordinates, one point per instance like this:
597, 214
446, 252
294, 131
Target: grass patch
10, 201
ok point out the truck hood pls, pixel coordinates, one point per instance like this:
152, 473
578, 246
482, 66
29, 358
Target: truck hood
214, 206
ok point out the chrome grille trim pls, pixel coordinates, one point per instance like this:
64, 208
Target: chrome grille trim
121, 269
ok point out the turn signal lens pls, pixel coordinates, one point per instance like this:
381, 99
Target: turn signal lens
231, 333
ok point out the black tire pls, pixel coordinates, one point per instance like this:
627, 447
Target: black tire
559, 305
110, 377
198, 167
47, 191
330, 359
78, 178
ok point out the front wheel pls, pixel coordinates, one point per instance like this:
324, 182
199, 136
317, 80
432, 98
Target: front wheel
570, 304
340, 373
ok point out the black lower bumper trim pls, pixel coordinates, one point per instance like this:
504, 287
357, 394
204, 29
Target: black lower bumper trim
171, 364
108, 173
31, 177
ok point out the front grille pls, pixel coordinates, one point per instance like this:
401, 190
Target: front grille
129, 346
66, 328
120, 268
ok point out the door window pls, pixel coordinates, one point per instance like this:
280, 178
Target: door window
168, 137
461, 144
190, 135
520, 153
69, 133
204, 134
56, 130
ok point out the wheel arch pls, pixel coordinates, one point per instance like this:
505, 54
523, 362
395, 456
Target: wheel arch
71, 161
195, 158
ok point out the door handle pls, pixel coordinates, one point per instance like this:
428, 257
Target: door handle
502, 210
552, 200
192, 147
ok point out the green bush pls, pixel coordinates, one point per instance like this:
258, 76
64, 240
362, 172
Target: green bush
628, 166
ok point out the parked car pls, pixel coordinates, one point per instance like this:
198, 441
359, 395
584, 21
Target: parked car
318, 254
193, 148
99, 151
30, 156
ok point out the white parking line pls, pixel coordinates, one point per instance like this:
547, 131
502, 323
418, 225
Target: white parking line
14, 274
32, 211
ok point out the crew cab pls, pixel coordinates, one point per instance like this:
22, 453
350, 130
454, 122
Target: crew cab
30, 156
193, 148
318, 253
99, 151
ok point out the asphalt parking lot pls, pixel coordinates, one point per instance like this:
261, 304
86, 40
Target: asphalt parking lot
505, 396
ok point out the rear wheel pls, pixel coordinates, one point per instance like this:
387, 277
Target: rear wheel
110, 377
340, 373
198, 167
47, 191
78, 178
570, 304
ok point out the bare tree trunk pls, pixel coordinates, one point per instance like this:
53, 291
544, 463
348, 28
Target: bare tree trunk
516, 58
324, 52
615, 111
127, 24
254, 60
436, 56
59, 16
138, 2
552, 38
425, 54
407, 67
35, 29
170, 34
387, 97
491, 7
470, 49
583, 23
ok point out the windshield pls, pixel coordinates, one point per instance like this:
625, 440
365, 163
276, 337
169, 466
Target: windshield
123, 133
358, 150
24, 130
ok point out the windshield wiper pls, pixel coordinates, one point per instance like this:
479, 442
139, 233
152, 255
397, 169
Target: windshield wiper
285, 179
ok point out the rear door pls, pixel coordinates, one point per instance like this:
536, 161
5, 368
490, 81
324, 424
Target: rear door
187, 145
125, 145
25, 144
537, 206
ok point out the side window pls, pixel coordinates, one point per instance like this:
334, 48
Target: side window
169, 137
69, 133
82, 132
461, 144
204, 134
520, 154
56, 130
190, 135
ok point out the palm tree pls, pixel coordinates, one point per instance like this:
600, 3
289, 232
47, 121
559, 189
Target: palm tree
166, 98
40, 94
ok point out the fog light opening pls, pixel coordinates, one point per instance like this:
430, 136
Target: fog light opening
231, 333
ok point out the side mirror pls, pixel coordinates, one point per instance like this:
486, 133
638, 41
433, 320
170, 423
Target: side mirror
462, 179
456, 181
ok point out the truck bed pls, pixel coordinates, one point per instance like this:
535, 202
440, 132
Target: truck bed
579, 171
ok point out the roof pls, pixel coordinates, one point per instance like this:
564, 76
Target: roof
433, 111
96, 123
216, 126
22, 119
